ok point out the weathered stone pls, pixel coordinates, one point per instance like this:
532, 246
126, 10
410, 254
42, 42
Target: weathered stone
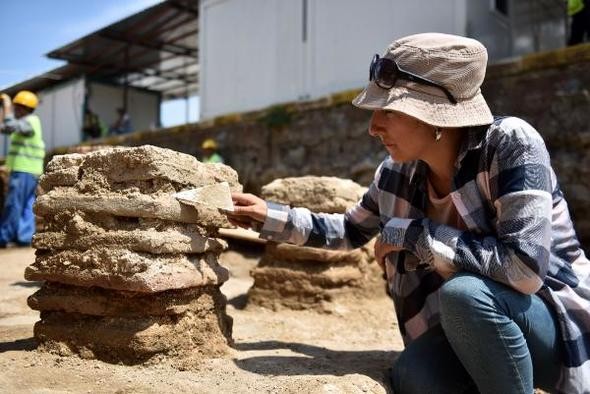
129, 271
150, 162
323, 287
292, 253
59, 177
96, 301
60, 162
295, 277
121, 269
318, 194
150, 241
163, 207
133, 340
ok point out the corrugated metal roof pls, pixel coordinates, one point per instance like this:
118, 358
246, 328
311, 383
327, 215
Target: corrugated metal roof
155, 49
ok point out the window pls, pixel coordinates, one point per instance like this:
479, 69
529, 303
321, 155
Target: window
501, 6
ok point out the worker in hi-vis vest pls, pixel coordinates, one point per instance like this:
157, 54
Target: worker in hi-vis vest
210, 155
24, 160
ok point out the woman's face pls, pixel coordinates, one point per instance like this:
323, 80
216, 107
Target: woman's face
404, 137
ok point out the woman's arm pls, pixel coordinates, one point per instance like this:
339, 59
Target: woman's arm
520, 186
301, 227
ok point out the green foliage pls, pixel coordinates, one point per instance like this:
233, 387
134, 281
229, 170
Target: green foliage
277, 117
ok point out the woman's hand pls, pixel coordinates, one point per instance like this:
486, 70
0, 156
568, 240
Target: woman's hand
247, 208
6, 104
382, 249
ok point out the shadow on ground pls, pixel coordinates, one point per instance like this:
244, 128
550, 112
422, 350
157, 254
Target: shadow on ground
315, 360
239, 302
27, 284
27, 344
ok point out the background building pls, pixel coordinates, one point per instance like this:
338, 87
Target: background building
257, 53
242, 55
135, 63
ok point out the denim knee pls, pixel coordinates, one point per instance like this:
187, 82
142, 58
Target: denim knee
403, 376
461, 293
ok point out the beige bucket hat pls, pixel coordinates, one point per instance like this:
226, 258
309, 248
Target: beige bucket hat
455, 62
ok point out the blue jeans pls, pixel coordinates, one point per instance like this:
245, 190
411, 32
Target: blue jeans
18, 220
493, 339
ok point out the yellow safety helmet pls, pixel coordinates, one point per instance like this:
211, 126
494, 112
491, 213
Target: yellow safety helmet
209, 143
26, 98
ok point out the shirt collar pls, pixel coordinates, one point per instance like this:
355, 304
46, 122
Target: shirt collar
476, 136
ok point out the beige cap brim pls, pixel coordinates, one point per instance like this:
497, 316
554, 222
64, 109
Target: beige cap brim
432, 109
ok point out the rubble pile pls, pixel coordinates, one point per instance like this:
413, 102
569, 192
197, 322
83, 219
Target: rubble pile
296, 277
130, 272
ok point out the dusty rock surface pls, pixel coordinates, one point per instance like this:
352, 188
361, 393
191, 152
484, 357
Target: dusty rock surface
132, 274
287, 351
319, 194
296, 277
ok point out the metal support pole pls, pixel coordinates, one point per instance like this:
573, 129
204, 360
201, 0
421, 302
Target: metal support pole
126, 82
186, 93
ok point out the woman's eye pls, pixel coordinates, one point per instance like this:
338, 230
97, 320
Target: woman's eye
390, 114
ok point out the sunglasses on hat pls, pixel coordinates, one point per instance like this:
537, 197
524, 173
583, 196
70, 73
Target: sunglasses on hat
385, 73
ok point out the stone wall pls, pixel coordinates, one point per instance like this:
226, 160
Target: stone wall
329, 136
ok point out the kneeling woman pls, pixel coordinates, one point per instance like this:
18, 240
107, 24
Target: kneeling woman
490, 285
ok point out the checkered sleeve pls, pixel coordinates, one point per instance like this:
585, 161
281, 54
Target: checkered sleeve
517, 252
299, 226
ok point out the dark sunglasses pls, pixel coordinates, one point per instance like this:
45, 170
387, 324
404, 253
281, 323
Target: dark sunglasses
386, 72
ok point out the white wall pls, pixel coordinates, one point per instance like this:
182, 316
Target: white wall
60, 111
254, 53
143, 106
242, 64
346, 34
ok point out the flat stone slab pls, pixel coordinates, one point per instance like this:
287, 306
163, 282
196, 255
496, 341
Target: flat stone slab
96, 301
294, 277
107, 168
121, 269
318, 194
148, 241
135, 340
164, 207
294, 253
323, 289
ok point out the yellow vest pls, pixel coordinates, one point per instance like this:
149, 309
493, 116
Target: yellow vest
214, 158
27, 154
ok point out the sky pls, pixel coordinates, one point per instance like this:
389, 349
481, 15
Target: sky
32, 28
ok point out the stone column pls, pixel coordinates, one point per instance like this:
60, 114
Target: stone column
295, 277
130, 273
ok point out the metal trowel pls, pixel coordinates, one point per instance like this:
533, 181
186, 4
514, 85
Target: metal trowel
217, 195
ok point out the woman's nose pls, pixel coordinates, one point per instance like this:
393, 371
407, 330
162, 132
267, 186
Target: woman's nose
373, 129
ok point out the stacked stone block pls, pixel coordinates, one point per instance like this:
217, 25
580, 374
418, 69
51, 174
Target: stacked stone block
130, 272
296, 277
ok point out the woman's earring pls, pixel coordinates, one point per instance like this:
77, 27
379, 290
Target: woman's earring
437, 134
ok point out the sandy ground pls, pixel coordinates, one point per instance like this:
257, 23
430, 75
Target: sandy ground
347, 351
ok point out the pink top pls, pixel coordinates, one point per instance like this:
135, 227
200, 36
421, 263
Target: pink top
442, 211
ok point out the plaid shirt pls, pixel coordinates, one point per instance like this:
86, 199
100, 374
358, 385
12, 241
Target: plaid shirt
519, 233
